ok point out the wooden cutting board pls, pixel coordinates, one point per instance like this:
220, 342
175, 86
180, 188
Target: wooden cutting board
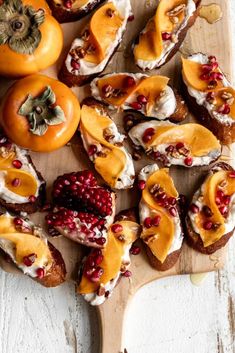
203, 37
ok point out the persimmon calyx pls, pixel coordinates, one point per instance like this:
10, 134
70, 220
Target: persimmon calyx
19, 26
42, 112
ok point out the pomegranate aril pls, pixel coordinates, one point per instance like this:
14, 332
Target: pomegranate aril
135, 250
205, 77
179, 145
96, 275
99, 259
131, 18
169, 149
212, 58
148, 222
207, 211
117, 228
226, 200
127, 274
194, 208
142, 99
220, 194
15, 182
68, 4
156, 221
100, 241
224, 109
18, 221
17, 164
166, 36
129, 82
172, 201
173, 211
207, 225
232, 174
75, 64
188, 161
206, 68
224, 210
141, 184
29, 260
136, 105
214, 65
148, 134
218, 200
40, 273
32, 198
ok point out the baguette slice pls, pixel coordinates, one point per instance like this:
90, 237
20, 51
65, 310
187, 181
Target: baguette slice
164, 33
72, 10
27, 247
216, 214
150, 96
185, 145
17, 171
84, 210
92, 50
102, 270
104, 145
160, 217
210, 96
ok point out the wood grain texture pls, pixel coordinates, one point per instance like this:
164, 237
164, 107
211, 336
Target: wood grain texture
52, 318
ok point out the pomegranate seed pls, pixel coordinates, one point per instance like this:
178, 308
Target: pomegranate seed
156, 221
207, 211
224, 109
75, 65
205, 77
29, 260
218, 200
129, 82
92, 150
207, 225
170, 149
188, 161
15, 182
172, 201
156, 155
17, 164
32, 198
100, 241
148, 134
227, 200
173, 211
148, 222
166, 36
212, 58
68, 4
107, 88
127, 274
136, 106
18, 221
232, 174
179, 145
135, 250
141, 184
99, 259
142, 99
194, 208
206, 68
162, 196
219, 76
131, 18
40, 273
215, 65
223, 210
96, 275
117, 228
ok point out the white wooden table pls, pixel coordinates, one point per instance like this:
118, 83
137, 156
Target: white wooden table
168, 316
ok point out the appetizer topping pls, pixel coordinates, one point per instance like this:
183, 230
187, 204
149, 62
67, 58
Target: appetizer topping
161, 32
103, 266
141, 184
135, 250
20, 26
159, 200
137, 92
80, 191
188, 145
211, 208
72, 4
42, 111
104, 145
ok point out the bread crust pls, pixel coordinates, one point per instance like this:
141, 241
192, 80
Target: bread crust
28, 207
181, 36
224, 132
62, 15
194, 240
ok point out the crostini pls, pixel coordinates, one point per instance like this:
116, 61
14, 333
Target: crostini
93, 49
72, 10
150, 96
84, 210
159, 212
185, 145
102, 269
210, 96
104, 146
165, 32
210, 221
27, 247
22, 187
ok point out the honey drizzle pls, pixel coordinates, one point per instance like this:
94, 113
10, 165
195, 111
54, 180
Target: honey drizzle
212, 13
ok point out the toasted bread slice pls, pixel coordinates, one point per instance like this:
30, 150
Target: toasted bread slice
173, 40
224, 204
102, 269
27, 247
67, 11
18, 170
